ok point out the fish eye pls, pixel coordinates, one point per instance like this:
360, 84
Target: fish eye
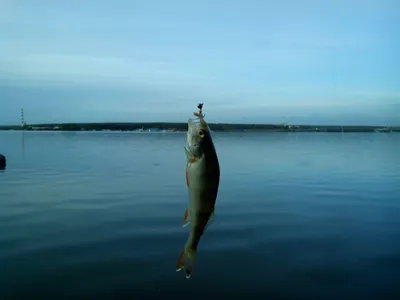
201, 133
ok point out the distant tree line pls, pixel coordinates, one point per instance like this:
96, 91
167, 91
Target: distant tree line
183, 127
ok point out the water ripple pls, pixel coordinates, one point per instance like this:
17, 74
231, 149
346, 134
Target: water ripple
297, 216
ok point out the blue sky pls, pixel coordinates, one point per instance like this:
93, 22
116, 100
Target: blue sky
326, 62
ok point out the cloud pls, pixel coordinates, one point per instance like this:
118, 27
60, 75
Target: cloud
106, 88
81, 68
245, 61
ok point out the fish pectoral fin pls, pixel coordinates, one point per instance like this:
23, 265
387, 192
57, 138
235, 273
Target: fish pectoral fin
189, 155
186, 219
187, 178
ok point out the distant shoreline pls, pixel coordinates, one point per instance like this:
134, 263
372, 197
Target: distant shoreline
181, 127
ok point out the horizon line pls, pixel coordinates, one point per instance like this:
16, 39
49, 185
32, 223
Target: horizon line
210, 123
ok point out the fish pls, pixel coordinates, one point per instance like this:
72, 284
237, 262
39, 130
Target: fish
202, 180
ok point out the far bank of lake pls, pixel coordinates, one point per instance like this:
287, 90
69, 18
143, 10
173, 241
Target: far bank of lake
177, 127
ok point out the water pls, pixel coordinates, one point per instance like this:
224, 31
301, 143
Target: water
299, 216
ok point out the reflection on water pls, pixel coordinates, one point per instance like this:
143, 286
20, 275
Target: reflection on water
299, 215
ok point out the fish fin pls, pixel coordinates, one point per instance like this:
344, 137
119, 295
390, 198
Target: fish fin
189, 155
187, 178
181, 261
186, 220
209, 220
186, 261
190, 265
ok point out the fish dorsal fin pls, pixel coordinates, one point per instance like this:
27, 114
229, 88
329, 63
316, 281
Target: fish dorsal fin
212, 215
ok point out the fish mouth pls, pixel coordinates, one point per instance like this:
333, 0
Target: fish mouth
193, 123
192, 132
194, 126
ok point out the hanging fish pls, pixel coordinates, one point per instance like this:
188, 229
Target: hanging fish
202, 180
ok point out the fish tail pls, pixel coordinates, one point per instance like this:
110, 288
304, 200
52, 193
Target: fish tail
186, 261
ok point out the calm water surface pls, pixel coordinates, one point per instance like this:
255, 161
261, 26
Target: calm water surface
299, 216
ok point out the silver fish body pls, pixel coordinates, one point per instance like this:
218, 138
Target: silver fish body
202, 179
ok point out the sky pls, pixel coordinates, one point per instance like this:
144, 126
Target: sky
248, 61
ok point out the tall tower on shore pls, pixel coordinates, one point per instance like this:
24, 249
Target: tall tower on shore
22, 118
